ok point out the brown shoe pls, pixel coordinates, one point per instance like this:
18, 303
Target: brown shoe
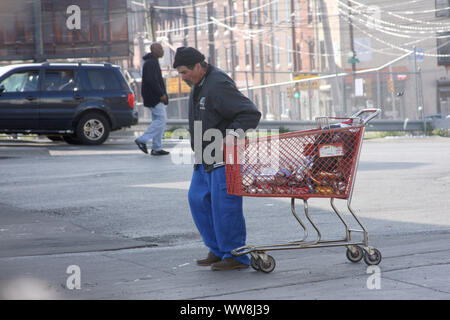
210, 259
228, 264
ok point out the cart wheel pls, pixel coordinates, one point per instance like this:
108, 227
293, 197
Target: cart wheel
372, 259
254, 263
355, 256
268, 266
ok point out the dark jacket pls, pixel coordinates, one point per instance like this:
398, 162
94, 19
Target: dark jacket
153, 86
217, 103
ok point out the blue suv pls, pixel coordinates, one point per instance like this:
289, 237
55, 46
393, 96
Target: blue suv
79, 102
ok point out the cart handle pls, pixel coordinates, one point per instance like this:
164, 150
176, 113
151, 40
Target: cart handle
375, 112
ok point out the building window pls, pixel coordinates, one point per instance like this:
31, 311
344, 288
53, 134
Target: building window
275, 12
443, 49
215, 26
236, 54
267, 54
217, 58
256, 55
299, 57
277, 52
181, 25
441, 8
310, 12
225, 15
228, 56
245, 6
283, 103
254, 17
247, 52
235, 10
312, 64
322, 54
197, 18
268, 104
288, 50
287, 5
266, 12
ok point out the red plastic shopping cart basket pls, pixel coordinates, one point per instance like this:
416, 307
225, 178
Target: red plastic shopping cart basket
318, 163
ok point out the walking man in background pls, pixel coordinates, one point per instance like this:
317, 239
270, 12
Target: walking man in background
217, 104
155, 97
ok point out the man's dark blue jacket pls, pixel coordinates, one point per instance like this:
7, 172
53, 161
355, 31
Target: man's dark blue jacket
153, 87
217, 103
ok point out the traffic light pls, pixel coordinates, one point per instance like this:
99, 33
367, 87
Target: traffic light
293, 92
297, 91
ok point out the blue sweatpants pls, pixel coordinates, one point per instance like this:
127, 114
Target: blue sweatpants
218, 216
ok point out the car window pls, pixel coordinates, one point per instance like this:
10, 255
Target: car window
62, 80
103, 79
4, 70
21, 81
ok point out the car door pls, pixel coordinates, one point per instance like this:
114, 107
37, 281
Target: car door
61, 94
106, 86
19, 100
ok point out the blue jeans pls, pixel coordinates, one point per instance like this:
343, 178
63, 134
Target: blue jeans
218, 216
156, 129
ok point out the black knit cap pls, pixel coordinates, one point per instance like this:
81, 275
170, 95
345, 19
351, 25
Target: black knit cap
187, 56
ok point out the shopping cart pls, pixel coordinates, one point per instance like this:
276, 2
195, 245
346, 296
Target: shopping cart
317, 163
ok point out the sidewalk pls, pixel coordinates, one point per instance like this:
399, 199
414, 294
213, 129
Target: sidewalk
26, 234
36, 252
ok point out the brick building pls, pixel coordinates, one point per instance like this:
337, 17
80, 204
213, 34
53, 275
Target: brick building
257, 42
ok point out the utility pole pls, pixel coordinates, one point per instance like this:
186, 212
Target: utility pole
194, 14
149, 21
232, 49
108, 29
335, 89
352, 42
211, 46
294, 43
420, 108
261, 64
416, 77
353, 59
38, 42
275, 106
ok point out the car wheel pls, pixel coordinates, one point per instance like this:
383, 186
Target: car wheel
92, 129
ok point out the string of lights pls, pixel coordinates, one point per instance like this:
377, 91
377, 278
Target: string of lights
405, 12
391, 31
401, 26
425, 53
200, 4
221, 19
416, 34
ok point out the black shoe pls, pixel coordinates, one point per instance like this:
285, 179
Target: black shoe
159, 153
141, 146
228, 264
209, 260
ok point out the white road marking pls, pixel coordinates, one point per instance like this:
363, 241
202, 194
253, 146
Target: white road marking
180, 185
57, 153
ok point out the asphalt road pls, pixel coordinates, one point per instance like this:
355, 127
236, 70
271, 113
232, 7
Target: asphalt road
123, 218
